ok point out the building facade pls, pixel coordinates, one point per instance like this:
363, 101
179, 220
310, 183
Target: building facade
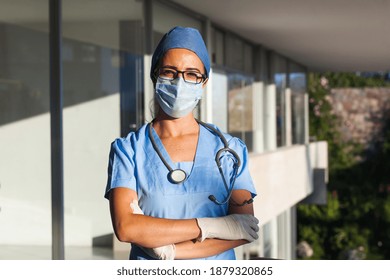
254, 93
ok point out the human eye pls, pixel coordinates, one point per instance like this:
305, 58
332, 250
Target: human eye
167, 73
193, 77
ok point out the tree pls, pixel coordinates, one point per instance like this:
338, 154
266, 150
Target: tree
355, 223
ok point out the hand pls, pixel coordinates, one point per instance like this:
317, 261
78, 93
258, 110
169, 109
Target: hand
231, 227
167, 252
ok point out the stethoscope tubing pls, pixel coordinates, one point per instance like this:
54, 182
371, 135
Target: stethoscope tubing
218, 155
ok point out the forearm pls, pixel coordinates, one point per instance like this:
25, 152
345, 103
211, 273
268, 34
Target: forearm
133, 227
152, 232
130, 225
207, 248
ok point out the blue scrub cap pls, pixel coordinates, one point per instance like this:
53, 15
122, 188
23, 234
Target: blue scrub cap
181, 38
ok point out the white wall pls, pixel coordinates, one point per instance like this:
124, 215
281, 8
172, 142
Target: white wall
284, 177
89, 129
25, 182
25, 174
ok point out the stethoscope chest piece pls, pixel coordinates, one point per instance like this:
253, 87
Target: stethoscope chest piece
177, 176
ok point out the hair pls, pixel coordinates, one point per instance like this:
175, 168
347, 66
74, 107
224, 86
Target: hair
154, 77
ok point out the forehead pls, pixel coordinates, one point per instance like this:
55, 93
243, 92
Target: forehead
182, 59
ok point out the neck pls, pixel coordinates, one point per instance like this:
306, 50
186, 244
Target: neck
167, 126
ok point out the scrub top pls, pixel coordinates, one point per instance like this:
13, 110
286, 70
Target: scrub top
134, 164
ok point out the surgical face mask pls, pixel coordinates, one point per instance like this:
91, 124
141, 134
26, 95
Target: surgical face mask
178, 98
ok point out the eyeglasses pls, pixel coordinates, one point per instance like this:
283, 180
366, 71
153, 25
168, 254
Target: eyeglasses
189, 76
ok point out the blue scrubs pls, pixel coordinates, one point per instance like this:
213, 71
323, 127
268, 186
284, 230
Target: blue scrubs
134, 164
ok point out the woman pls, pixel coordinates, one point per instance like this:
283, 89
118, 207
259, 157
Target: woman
165, 189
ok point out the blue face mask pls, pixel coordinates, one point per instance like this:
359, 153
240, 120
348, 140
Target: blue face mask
178, 98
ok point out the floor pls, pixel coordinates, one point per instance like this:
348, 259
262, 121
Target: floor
12, 252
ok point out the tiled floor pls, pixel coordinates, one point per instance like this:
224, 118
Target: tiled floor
10, 252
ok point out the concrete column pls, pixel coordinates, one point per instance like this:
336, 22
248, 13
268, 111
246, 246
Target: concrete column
294, 232
274, 238
206, 109
256, 248
258, 117
288, 113
148, 90
239, 251
284, 235
306, 106
270, 118
260, 242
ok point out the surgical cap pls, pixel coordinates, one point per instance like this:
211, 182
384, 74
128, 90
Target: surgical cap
181, 38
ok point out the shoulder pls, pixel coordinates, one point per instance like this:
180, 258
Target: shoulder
237, 143
132, 140
234, 142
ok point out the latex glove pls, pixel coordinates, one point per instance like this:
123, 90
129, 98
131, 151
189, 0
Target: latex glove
135, 207
167, 252
231, 227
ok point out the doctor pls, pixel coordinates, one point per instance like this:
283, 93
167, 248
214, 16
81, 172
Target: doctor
168, 198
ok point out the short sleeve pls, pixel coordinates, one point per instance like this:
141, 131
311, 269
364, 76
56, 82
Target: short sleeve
244, 180
120, 166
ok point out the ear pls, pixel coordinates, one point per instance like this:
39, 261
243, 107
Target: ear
205, 83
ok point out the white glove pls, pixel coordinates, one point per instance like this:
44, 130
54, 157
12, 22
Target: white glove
166, 252
135, 207
231, 227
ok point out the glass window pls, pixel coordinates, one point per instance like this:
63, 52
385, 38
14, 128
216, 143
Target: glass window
165, 18
103, 92
220, 100
297, 82
239, 53
233, 57
234, 52
240, 107
279, 66
248, 58
219, 47
232, 101
25, 166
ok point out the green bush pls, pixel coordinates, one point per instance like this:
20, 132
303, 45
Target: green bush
355, 223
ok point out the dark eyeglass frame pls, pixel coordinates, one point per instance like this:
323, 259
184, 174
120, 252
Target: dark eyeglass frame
200, 78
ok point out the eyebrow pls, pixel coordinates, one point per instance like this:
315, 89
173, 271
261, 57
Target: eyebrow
187, 69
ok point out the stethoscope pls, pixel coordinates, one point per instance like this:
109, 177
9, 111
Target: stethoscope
178, 175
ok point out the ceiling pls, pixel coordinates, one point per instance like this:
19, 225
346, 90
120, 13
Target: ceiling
324, 35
